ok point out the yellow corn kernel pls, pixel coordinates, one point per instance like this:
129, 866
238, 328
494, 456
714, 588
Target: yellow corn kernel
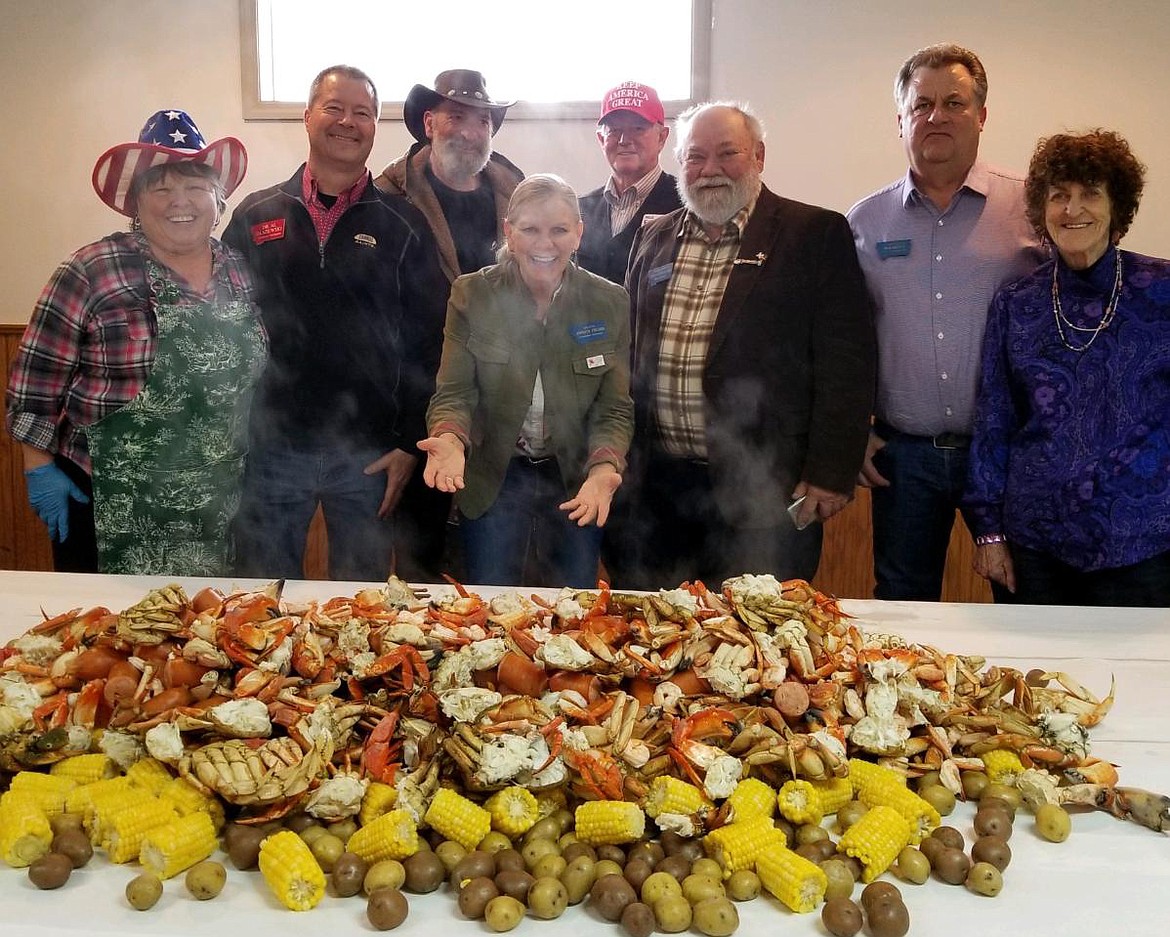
150, 773
290, 870
609, 822
106, 802
122, 833
796, 881
458, 818
377, 800
514, 810
752, 798
25, 834
393, 835
85, 769
186, 798
550, 801
671, 795
48, 790
877, 786
736, 845
875, 840
80, 799
1003, 766
833, 794
170, 849
798, 802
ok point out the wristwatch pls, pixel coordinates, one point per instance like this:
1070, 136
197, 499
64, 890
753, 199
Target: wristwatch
986, 539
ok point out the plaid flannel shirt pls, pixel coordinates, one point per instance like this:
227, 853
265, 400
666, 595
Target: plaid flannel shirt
90, 344
689, 310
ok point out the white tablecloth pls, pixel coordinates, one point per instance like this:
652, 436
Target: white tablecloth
1109, 878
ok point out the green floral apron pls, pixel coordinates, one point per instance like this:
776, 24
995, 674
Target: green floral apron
167, 466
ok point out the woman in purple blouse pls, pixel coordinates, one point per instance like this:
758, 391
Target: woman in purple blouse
1069, 481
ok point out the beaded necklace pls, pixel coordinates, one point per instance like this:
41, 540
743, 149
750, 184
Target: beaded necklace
1062, 321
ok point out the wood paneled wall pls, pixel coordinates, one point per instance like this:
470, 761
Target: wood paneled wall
846, 564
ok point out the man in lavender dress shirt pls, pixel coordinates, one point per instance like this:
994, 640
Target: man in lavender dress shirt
935, 246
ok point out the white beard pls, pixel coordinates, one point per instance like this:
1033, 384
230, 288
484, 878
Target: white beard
717, 199
459, 160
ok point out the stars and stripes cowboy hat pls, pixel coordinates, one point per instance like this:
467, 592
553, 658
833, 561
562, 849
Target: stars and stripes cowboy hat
168, 137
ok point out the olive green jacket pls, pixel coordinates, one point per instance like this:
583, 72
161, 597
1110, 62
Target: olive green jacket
493, 346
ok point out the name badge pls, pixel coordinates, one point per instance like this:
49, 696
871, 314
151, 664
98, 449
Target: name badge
595, 361
268, 231
365, 240
587, 332
888, 249
660, 274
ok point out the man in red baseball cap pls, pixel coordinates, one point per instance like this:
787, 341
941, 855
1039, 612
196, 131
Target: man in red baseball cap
632, 132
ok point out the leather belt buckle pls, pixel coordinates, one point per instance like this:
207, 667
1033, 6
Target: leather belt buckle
951, 441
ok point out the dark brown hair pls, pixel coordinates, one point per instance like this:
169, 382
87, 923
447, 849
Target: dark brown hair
938, 56
1096, 157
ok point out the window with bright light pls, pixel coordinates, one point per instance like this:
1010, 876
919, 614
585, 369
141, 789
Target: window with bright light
557, 59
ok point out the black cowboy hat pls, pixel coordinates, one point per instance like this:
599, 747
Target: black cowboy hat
456, 84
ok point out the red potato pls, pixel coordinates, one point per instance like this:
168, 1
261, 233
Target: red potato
94, 663
178, 672
121, 682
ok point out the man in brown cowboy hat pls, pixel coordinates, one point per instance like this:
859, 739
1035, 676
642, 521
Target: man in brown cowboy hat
452, 176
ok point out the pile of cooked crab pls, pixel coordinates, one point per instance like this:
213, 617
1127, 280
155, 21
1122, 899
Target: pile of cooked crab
277, 705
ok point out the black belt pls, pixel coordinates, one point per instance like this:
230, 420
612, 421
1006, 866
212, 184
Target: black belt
941, 441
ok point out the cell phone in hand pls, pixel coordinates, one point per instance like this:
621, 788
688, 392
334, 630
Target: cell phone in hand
794, 513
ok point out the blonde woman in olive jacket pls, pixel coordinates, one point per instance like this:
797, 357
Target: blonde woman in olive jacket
532, 417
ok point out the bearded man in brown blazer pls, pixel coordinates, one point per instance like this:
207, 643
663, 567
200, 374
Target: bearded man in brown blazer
753, 375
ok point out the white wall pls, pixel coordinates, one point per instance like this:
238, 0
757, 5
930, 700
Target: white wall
81, 75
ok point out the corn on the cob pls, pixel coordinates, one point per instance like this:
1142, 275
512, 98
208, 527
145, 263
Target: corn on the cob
81, 799
150, 773
875, 840
85, 769
122, 832
25, 834
393, 835
609, 822
752, 798
550, 801
106, 801
290, 870
458, 819
672, 795
1003, 766
798, 802
377, 800
514, 810
796, 881
186, 798
178, 845
833, 794
48, 790
736, 845
878, 786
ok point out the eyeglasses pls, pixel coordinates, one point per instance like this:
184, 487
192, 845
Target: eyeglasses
630, 133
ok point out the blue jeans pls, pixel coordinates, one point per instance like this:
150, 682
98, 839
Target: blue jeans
1041, 579
284, 484
523, 539
912, 518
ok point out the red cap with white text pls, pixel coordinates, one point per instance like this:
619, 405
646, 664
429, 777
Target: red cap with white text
634, 98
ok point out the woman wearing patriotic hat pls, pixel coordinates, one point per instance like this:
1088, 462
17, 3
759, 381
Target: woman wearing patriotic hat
128, 395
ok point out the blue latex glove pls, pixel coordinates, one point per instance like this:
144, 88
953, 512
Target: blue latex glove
49, 491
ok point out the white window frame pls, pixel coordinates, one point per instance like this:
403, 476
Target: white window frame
257, 109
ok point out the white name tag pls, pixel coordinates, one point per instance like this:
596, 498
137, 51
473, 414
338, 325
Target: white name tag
595, 361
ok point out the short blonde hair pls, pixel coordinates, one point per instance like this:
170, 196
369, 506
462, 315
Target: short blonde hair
539, 188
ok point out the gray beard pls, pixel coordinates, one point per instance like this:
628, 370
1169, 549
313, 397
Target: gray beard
718, 204
457, 161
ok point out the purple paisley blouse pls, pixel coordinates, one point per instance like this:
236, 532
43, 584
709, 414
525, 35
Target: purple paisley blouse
1071, 449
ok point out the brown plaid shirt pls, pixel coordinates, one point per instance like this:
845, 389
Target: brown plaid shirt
692, 302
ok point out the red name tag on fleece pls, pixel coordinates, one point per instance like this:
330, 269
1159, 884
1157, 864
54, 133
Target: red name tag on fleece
268, 231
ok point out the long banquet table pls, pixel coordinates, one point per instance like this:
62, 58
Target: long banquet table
1109, 878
